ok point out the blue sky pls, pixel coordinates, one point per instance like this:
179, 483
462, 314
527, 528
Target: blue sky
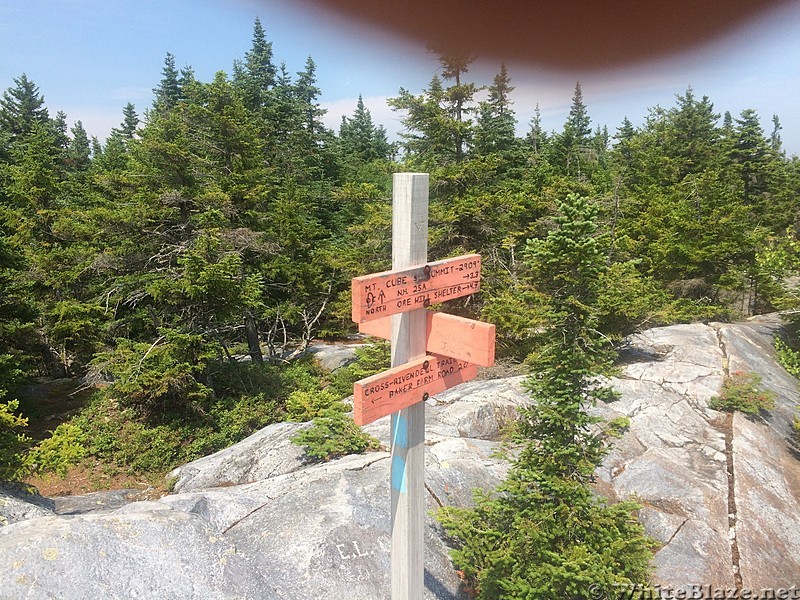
90, 57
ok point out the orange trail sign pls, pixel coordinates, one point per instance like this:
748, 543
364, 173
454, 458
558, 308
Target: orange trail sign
448, 335
400, 387
393, 292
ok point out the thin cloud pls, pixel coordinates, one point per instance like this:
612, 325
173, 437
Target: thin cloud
131, 94
97, 122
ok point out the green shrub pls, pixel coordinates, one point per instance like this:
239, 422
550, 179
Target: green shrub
118, 433
551, 539
14, 461
233, 379
618, 426
788, 358
629, 301
302, 374
158, 413
332, 435
155, 449
238, 418
115, 434
165, 376
333, 432
64, 448
742, 391
305, 405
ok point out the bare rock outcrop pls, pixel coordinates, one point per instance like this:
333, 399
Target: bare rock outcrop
720, 493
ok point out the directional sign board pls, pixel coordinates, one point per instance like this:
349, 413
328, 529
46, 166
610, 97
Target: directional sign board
393, 292
448, 335
400, 387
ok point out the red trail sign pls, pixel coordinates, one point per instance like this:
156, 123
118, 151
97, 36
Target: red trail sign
400, 387
449, 335
393, 292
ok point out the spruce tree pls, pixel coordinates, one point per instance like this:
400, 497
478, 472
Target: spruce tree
130, 121
307, 93
575, 139
255, 75
623, 136
438, 128
693, 134
752, 155
168, 92
775, 137
537, 136
21, 107
60, 130
545, 534
78, 155
495, 128
360, 139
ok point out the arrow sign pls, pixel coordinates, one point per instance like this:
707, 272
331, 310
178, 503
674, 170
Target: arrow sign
449, 335
393, 292
400, 387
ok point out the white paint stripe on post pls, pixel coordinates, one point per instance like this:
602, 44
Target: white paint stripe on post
409, 248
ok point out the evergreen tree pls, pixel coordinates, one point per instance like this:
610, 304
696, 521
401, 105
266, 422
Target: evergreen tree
775, 137
727, 124
21, 107
290, 146
130, 121
168, 92
623, 136
35, 171
600, 143
255, 76
459, 96
574, 141
625, 131
578, 125
112, 160
537, 136
438, 130
752, 155
186, 80
78, 155
546, 534
360, 139
568, 266
307, 92
495, 128
113, 157
693, 134
60, 130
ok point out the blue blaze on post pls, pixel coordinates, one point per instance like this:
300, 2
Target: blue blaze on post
399, 440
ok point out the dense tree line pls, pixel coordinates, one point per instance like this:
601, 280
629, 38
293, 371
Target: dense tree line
228, 211
225, 220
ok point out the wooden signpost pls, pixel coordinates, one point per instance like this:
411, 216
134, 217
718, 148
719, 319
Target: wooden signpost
393, 305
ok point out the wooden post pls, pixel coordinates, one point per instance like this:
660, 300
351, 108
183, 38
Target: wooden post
409, 248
